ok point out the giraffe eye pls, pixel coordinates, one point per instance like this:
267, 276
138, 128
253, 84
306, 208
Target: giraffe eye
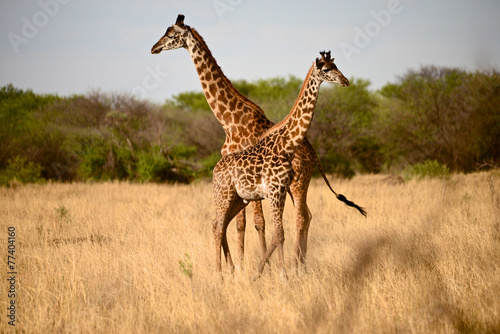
170, 32
327, 70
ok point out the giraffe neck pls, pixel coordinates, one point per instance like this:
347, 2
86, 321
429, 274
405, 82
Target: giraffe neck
227, 104
294, 127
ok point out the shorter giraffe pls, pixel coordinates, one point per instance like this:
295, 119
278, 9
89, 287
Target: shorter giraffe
265, 169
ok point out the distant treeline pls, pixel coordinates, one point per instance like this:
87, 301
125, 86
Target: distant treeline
446, 116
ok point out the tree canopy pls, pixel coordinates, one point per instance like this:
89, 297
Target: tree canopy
445, 115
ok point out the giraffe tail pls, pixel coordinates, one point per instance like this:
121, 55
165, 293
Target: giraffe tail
340, 197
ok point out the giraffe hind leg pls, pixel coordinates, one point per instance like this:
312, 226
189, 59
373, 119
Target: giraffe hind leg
240, 226
217, 231
225, 248
226, 211
303, 216
259, 222
303, 220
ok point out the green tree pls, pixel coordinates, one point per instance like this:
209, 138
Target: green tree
25, 129
193, 101
275, 96
443, 114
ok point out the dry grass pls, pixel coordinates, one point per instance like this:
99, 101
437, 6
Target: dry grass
104, 258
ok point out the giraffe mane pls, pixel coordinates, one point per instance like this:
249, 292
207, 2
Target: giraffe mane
223, 76
284, 121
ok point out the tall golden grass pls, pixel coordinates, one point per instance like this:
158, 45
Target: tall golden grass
118, 258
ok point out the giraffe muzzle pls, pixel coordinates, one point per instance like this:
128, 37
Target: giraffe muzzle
156, 49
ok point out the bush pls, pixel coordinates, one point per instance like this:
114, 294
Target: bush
94, 155
19, 122
152, 166
193, 101
337, 164
428, 169
275, 96
443, 114
182, 151
208, 163
21, 170
342, 132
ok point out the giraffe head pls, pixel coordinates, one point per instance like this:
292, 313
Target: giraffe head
327, 71
174, 38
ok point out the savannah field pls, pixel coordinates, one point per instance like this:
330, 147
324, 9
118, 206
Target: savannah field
139, 258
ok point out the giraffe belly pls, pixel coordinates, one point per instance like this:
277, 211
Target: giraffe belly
251, 191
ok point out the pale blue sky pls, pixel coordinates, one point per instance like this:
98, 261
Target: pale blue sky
72, 46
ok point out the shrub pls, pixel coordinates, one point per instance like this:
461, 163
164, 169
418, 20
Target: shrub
93, 158
182, 151
21, 170
193, 100
337, 164
428, 169
208, 163
152, 167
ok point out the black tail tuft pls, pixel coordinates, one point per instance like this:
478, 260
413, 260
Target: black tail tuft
342, 198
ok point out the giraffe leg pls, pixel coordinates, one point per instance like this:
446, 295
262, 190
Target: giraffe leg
269, 252
303, 220
219, 228
240, 226
303, 166
277, 206
260, 225
217, 231
226, 209
225, 247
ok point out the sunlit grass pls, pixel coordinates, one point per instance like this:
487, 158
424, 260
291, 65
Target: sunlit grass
139, 258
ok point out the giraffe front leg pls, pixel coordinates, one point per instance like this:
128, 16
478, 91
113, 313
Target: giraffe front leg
269, 252
280, 236
240, 226
278, 240
217, 231
260, 225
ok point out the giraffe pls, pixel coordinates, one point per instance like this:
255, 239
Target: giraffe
244, 123
265, 170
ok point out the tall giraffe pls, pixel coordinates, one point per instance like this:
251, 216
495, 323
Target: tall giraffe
265, 170
244, 123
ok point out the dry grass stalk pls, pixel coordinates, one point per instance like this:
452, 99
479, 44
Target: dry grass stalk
109, 262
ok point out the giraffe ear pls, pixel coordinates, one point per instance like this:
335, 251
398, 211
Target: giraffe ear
180, 20
319, 64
